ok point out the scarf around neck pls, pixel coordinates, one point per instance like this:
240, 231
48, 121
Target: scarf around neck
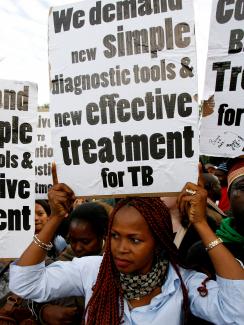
228, 234
138, 286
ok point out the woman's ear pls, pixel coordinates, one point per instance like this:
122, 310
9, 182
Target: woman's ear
103, 239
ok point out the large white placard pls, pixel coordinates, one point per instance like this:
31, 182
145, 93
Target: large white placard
18, 111
122, 97
43, 155
222, 128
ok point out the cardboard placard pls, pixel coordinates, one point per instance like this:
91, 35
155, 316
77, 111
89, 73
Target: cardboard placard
222, 127
123, 83
18, 110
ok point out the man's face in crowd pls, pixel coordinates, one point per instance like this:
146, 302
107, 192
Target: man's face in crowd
222, 176
237, 203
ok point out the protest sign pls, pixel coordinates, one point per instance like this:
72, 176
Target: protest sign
18, 107
123, 82
222, 127
43, 155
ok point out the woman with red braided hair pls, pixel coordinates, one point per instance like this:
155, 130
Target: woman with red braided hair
139, 280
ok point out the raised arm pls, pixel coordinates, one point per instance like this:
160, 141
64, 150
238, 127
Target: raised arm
61, 198
192, 202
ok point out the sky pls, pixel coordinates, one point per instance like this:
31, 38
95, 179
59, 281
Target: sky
24, 41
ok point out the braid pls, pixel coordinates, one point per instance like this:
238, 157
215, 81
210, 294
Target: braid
106, 305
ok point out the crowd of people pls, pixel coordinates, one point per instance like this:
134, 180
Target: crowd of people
138, 260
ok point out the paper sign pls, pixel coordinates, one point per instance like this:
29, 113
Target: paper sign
222, 127
122, 97
18, 111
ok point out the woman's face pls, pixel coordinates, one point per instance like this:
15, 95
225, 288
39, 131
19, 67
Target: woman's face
83, 240
132, 243
40, 218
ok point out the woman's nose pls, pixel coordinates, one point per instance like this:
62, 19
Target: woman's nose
78, 247
123, 246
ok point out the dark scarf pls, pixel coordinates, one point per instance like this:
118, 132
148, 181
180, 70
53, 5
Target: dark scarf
138, 286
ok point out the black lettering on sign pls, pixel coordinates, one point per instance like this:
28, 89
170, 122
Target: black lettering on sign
226, 9
9, 100
14, 132
63, 18
67, 118
128, 147
9, 188
15, 219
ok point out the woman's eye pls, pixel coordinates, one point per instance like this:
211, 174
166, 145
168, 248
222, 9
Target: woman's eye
114, 235
135, 240
86, 241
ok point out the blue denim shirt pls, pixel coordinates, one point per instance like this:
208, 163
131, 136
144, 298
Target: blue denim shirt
224, 303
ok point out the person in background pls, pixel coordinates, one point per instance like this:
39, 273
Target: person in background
210, 168
108, 203
221, 173
213, 187
42, 214
232, 229
87, 227
88, 224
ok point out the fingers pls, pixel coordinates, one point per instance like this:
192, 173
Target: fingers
59, 186
188, 186
54, 174
192, 203
184, 205
63, 188
61, 202
201, 181
60, 189
186, 196
61, 198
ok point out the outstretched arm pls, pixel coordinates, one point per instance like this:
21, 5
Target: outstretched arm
61, 198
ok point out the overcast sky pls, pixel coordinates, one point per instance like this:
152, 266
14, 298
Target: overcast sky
23, 40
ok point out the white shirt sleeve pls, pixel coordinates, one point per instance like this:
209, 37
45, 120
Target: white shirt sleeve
224, 303
59, 279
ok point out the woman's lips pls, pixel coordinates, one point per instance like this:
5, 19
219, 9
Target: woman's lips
121, 263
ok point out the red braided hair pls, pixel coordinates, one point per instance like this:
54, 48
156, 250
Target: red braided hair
106, 305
